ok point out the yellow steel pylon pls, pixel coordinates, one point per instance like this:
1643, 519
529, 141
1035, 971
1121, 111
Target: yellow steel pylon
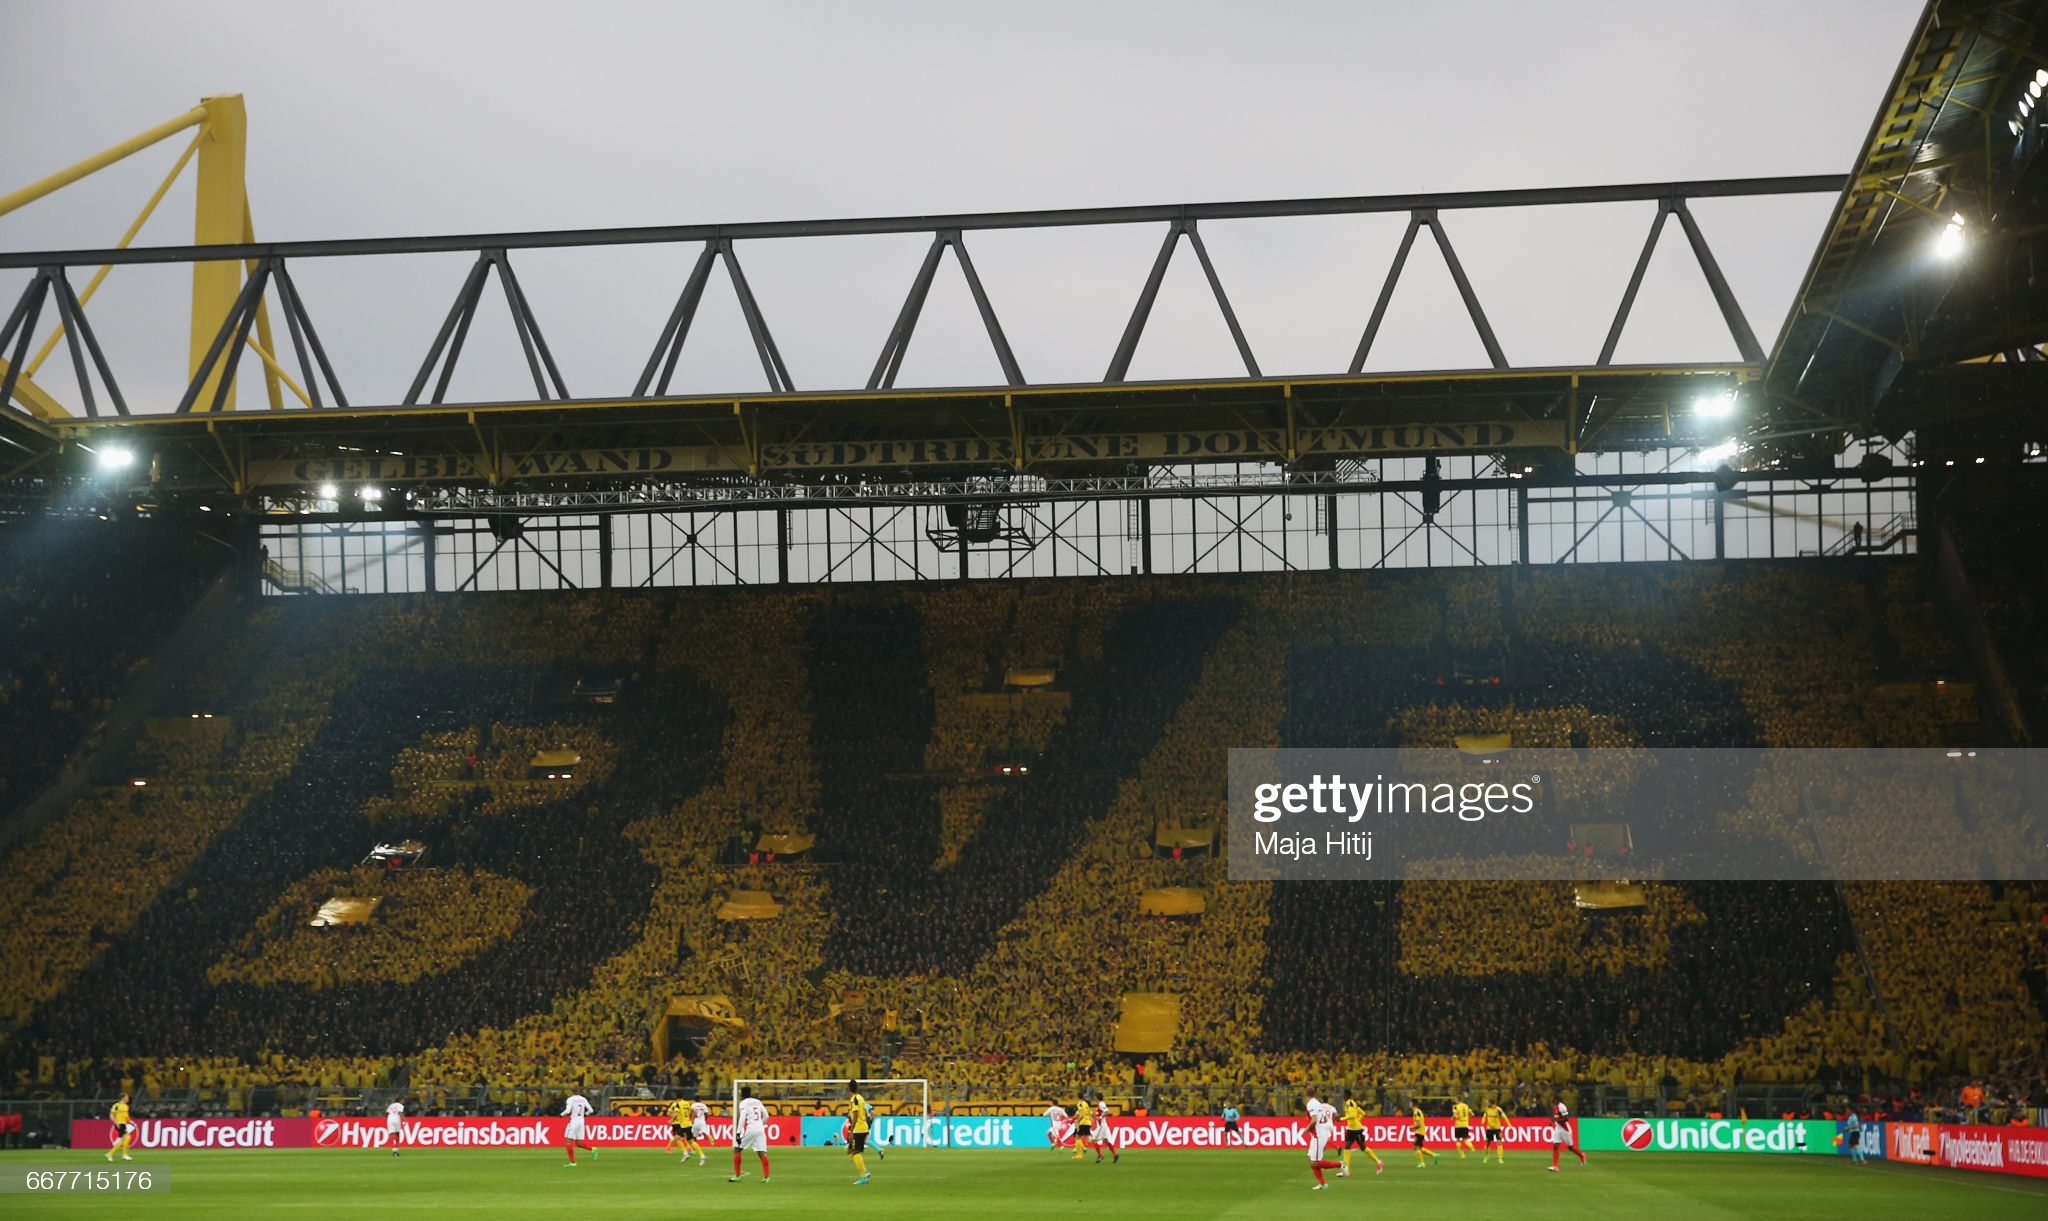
221, 217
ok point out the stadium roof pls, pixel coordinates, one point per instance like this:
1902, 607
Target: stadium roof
1924, 306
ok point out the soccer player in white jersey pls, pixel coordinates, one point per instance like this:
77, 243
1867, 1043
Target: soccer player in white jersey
1055, 1117
1105, 1135
392, 1115
749, 1131
1322, 1129
700, 1127
572, 1136
1561, 1136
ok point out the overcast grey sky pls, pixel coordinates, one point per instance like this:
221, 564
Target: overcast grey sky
372, 119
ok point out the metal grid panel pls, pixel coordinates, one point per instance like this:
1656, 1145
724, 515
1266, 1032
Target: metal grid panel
1276, 530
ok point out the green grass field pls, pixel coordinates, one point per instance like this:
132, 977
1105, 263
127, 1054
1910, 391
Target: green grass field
628, 1183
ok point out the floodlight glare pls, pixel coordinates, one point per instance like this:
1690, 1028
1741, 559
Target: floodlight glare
2034, 89
1719, 453
114, 458
328, 491
1950, 243
2014, 124
1715, 406
372, 493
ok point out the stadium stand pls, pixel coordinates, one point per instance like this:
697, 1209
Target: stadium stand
954, 922
82, 605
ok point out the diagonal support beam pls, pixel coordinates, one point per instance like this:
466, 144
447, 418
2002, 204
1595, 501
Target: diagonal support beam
1013, 374
757, 326
1244, 349
530, 338
890, 362
304, 337
540, 362
455, 329
1731, 310
893, 348
670, 346
1127, 347
1635, 284
1379, 307
1479, 322
234, 329
71, 312
20, 330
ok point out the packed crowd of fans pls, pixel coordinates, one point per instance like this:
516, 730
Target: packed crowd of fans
1994, 532
981, 928
82, 605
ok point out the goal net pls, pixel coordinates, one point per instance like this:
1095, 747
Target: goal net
902, 1105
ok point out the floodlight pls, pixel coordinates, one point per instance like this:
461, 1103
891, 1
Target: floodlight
328, 491
1950, 243
1720, 453
1715, 406
114, 458
372, 493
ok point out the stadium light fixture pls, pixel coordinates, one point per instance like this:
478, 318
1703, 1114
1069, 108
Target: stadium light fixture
116, 457
1720, 453
329, 492
1715, 406
1950, 243
372, 494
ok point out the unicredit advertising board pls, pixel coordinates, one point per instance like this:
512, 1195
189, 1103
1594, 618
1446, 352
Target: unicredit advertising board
1814, 1136
231, 1133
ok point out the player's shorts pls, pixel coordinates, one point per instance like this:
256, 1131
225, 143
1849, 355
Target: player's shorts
1083, 1130
856, 1142
1230, 1125
1354, 1138
122, 1129
1420, 1139
1461, 1132
1316, 1143
752, 1142
700, 1132
1855, 1137
1493, 1136
678, 1131
1560, 1134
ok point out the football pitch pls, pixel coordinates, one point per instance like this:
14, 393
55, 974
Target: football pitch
1029, 1184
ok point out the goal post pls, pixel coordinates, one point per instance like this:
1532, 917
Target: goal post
896, 1100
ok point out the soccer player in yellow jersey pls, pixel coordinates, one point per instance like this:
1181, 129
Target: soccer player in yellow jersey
1084, 1123
1420, 1123
857, 1130
1496, 1121
1461, 1127
124, 1130
676, 1112
1354, 1138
